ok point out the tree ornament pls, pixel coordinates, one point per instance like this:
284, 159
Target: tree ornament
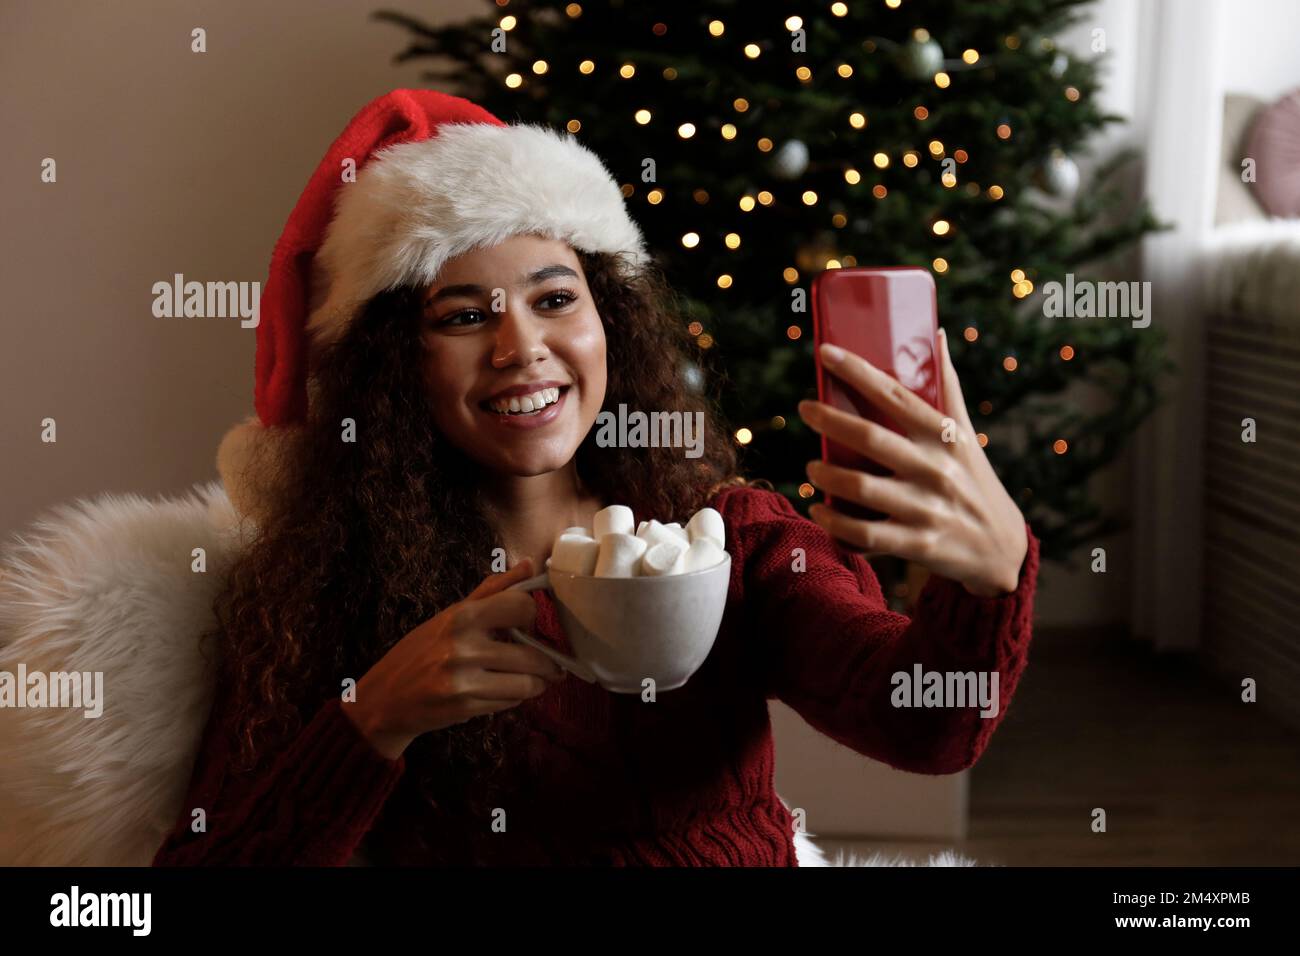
1059, 175
791, 160
921, 59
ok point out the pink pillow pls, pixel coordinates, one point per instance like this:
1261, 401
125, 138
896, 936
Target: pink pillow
1275, 146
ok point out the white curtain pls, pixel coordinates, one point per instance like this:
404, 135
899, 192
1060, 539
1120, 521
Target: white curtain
1181, 107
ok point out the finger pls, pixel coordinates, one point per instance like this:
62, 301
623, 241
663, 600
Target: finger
515, 659
499, 581
892, 495
875, 537
506, 609
913, 413
954, 402
490, 685
472, 707
880, 444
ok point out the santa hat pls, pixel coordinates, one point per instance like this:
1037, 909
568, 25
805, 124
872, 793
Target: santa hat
417, 178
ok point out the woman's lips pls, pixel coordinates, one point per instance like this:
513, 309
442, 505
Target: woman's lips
535, 420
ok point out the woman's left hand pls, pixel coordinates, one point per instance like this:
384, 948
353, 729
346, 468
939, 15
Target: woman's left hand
947, 510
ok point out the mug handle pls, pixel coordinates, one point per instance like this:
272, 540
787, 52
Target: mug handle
570, 664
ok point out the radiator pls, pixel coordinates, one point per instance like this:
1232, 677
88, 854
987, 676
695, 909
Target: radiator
1251, 596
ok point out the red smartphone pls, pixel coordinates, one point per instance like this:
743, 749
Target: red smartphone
890, 317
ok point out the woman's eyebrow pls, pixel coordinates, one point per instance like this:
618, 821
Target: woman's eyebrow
470, 289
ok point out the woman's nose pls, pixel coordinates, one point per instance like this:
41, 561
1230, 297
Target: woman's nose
520, 338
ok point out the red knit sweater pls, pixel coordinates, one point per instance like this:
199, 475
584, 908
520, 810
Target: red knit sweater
687, 779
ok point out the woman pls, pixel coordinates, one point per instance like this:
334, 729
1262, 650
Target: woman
367, 707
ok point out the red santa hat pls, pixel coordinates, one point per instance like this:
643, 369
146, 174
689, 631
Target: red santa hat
417, 178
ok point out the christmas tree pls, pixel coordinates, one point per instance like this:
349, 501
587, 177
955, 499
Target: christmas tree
759, 143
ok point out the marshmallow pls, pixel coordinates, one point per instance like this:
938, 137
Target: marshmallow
686, 538
663, 558
707, 523
580, 532
641, 527
620, 554
703, 553
656, 533
616, 519
575, 554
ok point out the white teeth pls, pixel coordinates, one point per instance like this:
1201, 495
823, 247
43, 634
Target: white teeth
523, 404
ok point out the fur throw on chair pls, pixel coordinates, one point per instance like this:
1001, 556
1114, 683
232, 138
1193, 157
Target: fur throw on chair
117, 585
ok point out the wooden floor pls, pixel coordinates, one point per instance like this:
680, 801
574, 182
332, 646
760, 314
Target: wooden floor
1188, 774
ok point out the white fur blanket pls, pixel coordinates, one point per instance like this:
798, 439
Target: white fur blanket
109, 585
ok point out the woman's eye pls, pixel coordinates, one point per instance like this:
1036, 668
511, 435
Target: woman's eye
454, 319
563, 297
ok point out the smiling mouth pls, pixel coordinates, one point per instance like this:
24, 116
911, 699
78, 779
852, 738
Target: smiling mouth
524, 406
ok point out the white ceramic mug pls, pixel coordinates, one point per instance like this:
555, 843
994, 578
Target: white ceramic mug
623, 630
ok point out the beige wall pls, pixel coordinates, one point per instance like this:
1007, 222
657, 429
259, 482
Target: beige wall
168, 161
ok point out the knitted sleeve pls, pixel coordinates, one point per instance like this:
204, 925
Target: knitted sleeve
311, 804
830, 648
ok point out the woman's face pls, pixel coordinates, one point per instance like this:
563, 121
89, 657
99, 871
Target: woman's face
516, 314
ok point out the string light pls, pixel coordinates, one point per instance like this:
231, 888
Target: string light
986, 408
793, 23
705, 341
508, 23
857, 120
790, 274
1072, 94
942, 80
586, 66
752, 51
701, 196
960, 155
839, 221
627, 71
881, 160
724, 281
911, 158
970, 56
1004, 131
1010, 364
642, 116
1067, 352
732, 240
936, 148
540, 67
995, 192
852, 177
921, 113
728, 131
809, 197
573, 10
740, 104
716, 27
983, 439
1060, 446
793, 332
803, 73
941, 227
765, 197
806, 490
514, 81
880, 192
970, 333
654, 197
765, 145
1017, 275
691, 240
839, 9
695, 328
940, 265
844, 70
746, 203
573, 126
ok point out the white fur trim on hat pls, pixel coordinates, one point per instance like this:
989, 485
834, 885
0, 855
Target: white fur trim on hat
416, 205
247, 460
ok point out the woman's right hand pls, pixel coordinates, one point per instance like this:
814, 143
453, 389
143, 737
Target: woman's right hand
450, 669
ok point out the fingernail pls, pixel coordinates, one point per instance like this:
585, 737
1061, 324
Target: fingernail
831, 353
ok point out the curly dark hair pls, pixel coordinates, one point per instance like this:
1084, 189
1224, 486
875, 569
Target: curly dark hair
367, 539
